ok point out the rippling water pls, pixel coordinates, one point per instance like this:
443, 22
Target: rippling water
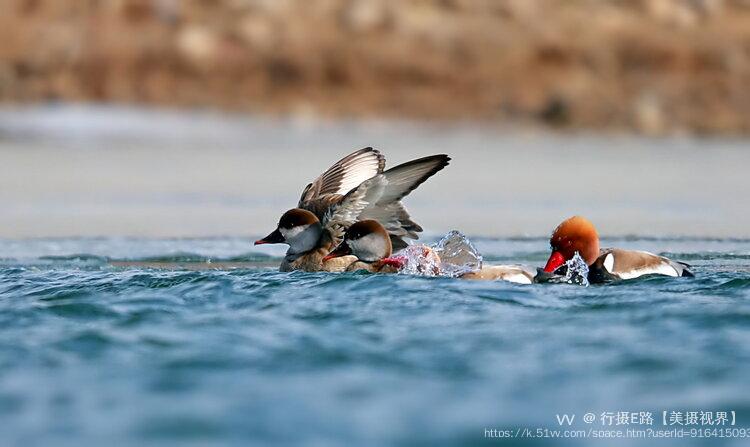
92, 353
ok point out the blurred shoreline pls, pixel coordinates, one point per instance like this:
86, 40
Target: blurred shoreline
656, 67
78, 170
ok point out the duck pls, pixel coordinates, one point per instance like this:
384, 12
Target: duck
514, 273
578, 235
355, 188
370, 243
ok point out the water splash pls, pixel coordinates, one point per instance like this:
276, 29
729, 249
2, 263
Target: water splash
576, 271
419, 260
452, 256
457, 254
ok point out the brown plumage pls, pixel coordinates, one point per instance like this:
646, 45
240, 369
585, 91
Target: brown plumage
519, 274
372, 267
346, 174
379, 198
369, 242
355, 188
313, 262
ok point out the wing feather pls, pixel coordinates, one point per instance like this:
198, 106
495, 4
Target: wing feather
377, 197
406, 177
399, 182
349, 209
345, 175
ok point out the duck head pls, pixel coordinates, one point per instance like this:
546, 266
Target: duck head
367, 240
576, 234
298, 228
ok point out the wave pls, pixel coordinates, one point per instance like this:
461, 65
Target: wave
180, 257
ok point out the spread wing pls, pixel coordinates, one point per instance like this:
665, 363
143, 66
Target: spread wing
406, 177
379, 198
346, 211
400, 181
344, 176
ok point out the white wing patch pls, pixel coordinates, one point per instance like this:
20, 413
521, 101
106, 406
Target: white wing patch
518, 278
355, 177
609, 263
345, 175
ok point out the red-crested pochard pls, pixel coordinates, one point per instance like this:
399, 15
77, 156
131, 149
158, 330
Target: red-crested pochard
578, 234
355, 188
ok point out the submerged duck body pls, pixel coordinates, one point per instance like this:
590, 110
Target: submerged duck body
373, 267
519, 274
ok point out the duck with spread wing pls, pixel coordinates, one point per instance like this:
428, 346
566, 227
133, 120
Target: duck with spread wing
355, 188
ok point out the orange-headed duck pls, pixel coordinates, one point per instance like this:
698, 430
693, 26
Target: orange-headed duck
578, 234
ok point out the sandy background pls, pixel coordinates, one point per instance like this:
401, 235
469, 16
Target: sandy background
649, 66
200, 118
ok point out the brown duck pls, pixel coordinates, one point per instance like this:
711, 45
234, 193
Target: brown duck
355, 188
369, 242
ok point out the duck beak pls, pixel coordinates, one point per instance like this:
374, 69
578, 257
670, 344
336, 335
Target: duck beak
342, 250
274, 238
556, 259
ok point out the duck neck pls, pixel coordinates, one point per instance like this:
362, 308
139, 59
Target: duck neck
323, 245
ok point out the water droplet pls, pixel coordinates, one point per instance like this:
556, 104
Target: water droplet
457, 254
577, 271
420, 260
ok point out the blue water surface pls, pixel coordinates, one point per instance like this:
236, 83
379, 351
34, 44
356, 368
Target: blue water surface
91, 353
